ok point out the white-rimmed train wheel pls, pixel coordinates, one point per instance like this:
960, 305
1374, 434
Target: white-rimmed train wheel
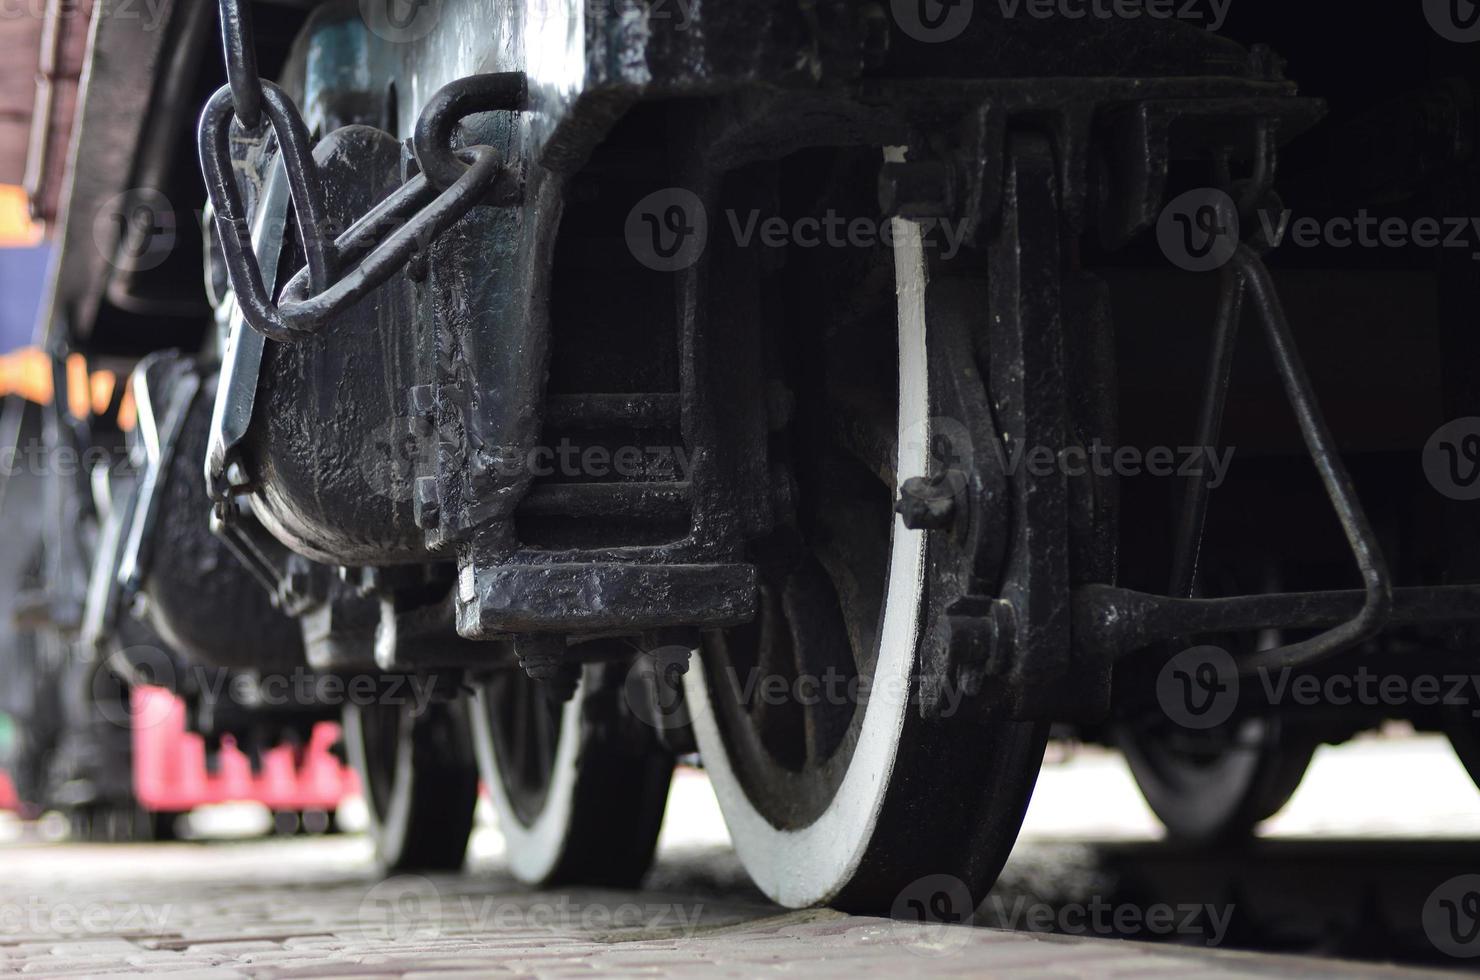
848, 800
418, 779
579, 787
1216, 786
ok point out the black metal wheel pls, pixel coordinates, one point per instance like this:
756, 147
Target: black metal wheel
837, 787
1464, 738
1216, 785
579, 787
162, 825
419, 781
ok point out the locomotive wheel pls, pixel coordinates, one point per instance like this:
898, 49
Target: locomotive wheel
162, 825
419, 782
1464, 738
1214, 786
579, 787
850, 800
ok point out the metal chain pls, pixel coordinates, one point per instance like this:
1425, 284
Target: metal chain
342, 271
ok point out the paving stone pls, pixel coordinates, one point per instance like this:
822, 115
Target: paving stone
306, 909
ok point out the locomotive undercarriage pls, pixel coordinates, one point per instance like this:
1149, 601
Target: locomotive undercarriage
456, 281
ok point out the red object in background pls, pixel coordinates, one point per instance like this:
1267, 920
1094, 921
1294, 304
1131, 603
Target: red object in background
7, 793
170, 772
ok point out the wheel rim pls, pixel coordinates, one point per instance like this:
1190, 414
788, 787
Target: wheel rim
808, 858
382, 747
530, 777
523, 729
418, 779
1217, 784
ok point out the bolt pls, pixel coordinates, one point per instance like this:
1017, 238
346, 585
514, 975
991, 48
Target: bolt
297, 584
428, 509
983, 638
416, 266
543, 657
926, 505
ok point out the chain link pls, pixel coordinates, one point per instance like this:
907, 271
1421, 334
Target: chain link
339, 272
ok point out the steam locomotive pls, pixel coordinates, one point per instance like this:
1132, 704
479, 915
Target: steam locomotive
849, 393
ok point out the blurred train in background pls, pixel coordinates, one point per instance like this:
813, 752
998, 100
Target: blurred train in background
77, 743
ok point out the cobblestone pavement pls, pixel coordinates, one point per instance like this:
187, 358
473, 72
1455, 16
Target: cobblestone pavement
311, 908
1347, 872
